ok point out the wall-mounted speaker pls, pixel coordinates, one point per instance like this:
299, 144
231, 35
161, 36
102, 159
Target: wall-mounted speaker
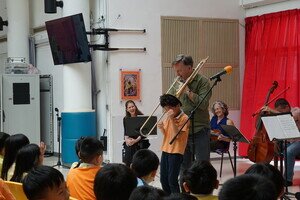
3, 23
51, 5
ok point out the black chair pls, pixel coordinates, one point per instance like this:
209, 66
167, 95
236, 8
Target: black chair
221, 152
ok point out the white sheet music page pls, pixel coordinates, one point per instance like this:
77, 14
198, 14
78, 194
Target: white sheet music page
281, 127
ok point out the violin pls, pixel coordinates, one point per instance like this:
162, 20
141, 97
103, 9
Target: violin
261, 149
215, 133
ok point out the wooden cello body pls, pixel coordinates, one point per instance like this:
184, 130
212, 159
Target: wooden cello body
261, 149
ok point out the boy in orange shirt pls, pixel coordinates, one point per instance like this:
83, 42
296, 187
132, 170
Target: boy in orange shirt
172, 155
80, 180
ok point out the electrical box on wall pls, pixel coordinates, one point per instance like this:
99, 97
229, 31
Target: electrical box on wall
21, 105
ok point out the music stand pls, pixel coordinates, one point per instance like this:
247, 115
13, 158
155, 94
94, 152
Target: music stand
133, 125
236, 136
281, 127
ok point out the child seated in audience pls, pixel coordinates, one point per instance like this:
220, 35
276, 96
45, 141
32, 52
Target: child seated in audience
28, 157
44, 182
3, 137
12, 146
200, 180
172, 154
270, 172
5, 193
80, 180
147, 193
144, 164
114, 182
248, 187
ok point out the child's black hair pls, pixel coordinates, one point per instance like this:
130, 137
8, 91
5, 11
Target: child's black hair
39, 180
169, 100
144, 161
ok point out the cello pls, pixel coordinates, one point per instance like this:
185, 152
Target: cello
261, 149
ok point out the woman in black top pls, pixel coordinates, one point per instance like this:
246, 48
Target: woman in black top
132, 143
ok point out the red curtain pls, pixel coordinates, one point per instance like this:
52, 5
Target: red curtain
272, 53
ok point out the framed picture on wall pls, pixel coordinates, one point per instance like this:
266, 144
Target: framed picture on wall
130, 85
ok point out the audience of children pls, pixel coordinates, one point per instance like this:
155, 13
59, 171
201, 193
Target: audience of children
145, 164
28, 156
88, 181
172, 155
200, 180
47, 183
12, 146
114, 182
3, 137
80, 179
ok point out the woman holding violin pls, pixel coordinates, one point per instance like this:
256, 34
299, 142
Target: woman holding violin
219, 139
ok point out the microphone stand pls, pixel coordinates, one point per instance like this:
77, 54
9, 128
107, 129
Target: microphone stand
59, 163
191, 116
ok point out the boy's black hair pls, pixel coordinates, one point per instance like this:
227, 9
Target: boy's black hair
180, 196
270, 172
114, 182
201, 177
3, 137
147, 193
90, 148
248, 187
12, 146
281, 102
144, 161
27, 158
39, 180
169, 100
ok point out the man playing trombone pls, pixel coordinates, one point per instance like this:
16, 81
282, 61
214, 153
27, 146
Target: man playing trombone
195, 87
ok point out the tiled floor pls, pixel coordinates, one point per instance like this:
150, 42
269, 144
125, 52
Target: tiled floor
242, 165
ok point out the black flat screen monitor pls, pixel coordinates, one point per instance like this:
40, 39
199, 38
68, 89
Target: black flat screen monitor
133, 125
68, 40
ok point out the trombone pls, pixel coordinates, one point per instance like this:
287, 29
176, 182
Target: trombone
178, 93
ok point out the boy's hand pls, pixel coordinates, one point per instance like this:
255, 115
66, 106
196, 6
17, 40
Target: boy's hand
160, 125
42, 148
170, 114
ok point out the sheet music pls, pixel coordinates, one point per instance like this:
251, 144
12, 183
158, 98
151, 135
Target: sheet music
281, 127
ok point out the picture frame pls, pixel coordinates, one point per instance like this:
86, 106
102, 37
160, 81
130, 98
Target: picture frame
130, 84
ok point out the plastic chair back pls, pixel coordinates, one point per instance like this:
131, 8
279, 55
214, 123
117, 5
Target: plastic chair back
16, 189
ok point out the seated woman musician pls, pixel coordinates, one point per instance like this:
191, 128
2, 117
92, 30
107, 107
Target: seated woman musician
219, 139
132, 143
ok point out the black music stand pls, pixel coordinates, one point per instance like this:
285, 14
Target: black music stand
134, 124
282, 127
59, 163
236, 136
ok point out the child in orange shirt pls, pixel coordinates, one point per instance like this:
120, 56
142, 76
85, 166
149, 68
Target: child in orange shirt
80, 180
172, 155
